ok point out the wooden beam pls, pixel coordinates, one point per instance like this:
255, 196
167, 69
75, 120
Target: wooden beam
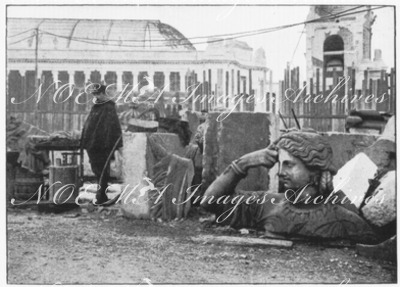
242, 241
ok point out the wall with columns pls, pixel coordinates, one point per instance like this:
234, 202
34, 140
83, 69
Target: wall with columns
78, 67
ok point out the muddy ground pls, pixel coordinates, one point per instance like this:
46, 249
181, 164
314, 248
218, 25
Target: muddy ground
104, 247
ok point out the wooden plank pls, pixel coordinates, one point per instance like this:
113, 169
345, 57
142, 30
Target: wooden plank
242, 241
393, 90
370, 91
364, 89
353, 84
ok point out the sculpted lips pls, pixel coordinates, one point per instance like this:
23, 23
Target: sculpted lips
284, 179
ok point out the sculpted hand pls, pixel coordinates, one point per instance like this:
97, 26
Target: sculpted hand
265, 157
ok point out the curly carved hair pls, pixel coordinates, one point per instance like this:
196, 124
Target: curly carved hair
310, 147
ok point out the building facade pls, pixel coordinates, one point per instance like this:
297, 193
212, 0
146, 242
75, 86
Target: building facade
337, 44
121, 52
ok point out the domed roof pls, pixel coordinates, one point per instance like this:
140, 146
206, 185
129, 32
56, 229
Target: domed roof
93, 34
331, 10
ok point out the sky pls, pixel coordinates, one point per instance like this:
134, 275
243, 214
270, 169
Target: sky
282, 46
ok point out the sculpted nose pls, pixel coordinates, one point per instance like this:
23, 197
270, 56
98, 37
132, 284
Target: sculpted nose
279, 169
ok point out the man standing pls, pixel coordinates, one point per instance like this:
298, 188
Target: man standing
101, 135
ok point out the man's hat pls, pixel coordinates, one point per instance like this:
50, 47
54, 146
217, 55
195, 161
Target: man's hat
99, 89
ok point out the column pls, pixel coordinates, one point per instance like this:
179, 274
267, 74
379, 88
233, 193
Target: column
238, 82
215, 82
150, 74
232, 82
71, 80
119, 80
134, 82
222, 93
86, 74
103, 77
22, 72
182, 81
271, 91
55, 78
166, 79
262, 93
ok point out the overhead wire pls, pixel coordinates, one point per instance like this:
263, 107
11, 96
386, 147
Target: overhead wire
234, 36
26, 38
185, 42
23, 32
218, 35
297, 45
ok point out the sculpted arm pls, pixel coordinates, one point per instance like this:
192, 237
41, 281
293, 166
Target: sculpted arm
225, 183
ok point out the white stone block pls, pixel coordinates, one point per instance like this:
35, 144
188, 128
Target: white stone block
137, 170
353, 178
134, 166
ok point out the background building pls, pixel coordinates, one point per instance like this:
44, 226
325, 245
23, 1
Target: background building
338, 44
340, 68
78, 51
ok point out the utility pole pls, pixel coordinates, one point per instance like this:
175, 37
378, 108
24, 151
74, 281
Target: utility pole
37, 84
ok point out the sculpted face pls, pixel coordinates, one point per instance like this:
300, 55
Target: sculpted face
292, 171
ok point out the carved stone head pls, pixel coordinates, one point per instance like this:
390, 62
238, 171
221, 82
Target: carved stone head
305, 158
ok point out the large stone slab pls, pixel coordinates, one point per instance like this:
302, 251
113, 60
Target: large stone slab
137, 167
345, 146
236, 135
352, 178
364, 156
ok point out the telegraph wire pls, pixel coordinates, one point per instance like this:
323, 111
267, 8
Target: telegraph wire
219, 35
26, 38
187, 41
297, 45
238, 34
26, 31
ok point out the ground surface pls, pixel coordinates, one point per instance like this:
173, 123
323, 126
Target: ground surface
99, 247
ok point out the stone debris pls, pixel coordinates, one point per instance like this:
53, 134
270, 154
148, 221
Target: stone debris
244, 231
381, 209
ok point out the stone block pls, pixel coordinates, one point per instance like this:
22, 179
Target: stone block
381, 208
137, 167
389, 133
383, 151
236, 135
386, 250
345, 146
383, 154
352, 178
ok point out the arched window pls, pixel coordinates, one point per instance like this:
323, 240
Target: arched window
333, 43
